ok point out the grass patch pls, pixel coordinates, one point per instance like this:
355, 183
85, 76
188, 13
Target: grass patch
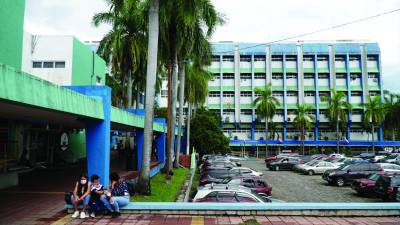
161, 191
195, 184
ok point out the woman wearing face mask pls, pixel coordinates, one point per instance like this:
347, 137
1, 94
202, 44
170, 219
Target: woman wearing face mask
81, 196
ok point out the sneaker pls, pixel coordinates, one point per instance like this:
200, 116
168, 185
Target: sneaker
115, 214
93, 215
83, 215
76, 214
87, 215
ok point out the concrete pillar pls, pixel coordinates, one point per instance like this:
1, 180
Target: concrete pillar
139, 147
98, 133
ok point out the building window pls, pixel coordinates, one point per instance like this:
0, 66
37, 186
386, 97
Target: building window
291, 76
228, 94
340, 76
277, 58
245, 76
214, 94
308, 76
322, 58
245, 58
277, 76
259, 76
98, 80
373, 75
60, 64
228, 111
164, 93
36, 64
309, 94
291, 93
277, 93
356, 93
259, 58
245, 94
48, 64
373, 93
246, 112
323, 76
308, 58
215, 58
355, 76
227, 58
228, 76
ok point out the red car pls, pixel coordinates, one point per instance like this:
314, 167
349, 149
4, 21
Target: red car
365, 186
254, 183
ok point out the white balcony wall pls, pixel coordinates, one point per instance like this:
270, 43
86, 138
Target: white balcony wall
362, 136
309, 136
280, 99
323, 64
259, 82
214, 64
246, 100
341, 82
372, 64
245, 82
214, 100
308, 64
340, 64
355, 82
309, 82
245, 64
309, 99
323, 82
291, 64
277, 118
355, 99
259, 135
277, 64
241, 135
354, 64
373, 81
290, 118
228, 100
291, 99
245, 118
228, 118
277, 82
215, 82
323, 118
292, 136
356, 118
259, 64
228, 82
228, 64
291, 82
331, 135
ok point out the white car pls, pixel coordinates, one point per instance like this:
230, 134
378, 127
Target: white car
336, 155
319, 167
245, 171
300, 167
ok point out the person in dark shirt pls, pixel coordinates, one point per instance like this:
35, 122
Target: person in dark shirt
117, 196
96, 191
81, 196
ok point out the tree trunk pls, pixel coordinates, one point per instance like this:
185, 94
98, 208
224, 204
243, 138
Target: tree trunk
393, 134
266, 136
373, 139
144, 176
188, 128
137, 97
181, 102
302, 139
129, 90
337, 136
172, 117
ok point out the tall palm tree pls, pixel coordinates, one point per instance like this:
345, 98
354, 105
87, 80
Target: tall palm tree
339, 110
153, 32
196, 91
303, 121
124, 45
392, 109
266, 105
374, 115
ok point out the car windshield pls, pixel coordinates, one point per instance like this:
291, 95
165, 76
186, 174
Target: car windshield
344, 167
374, 177
226, 180
391, 156
263, 198
313, 163
341, 160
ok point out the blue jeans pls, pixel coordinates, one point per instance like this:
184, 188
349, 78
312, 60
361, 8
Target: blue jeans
85, 200
115, 203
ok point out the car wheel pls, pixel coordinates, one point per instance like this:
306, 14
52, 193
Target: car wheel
310, 172
276, 168
339, 181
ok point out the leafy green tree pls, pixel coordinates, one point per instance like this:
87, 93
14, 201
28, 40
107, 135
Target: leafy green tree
392, 109
374, 115
205, 125
339, 110
266, 105
303, 121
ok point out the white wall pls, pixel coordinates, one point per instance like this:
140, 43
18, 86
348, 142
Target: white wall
323, 82
48, 48
245, 64
259, 64
291, 82
341, 82
308, 82
245, 82
228, 82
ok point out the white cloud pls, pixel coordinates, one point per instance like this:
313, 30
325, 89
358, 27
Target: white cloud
250, 21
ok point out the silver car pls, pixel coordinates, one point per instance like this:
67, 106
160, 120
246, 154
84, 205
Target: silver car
318, 167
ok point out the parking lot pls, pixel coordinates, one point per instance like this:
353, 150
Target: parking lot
293, 187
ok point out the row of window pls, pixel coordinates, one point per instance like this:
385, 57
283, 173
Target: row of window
48, 64
294, 58
276, 93
245, 76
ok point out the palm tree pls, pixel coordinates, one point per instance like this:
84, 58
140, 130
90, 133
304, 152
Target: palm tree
339, 110
196, 91
392, 109
374, 115
124, 45
266, 105
303, 121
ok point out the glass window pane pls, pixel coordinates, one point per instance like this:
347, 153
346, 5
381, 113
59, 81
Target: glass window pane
60, 64
48, 64
36, 64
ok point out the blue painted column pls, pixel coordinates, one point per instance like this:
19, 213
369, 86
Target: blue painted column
139, 147
380, 131
160, 141
284, 97
348, 86
183, 142
316, 97
98, 133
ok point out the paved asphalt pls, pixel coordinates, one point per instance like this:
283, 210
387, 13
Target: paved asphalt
293, 187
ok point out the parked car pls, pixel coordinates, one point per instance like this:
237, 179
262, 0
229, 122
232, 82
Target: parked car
254, 183
229, 193
214, 175
365, 186
336, 155
342, 161
393, 158
348, 174
318, 167
299, 167
218, 164
387, 187
284, 164
245, 171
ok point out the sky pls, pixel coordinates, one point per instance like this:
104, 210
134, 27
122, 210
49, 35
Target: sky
258, 21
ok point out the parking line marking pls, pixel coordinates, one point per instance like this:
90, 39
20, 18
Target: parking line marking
66, 219
198, 220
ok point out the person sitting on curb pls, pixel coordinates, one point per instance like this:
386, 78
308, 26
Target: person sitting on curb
117, 196
96, 191
81, 196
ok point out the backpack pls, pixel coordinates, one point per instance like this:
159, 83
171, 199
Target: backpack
67, 197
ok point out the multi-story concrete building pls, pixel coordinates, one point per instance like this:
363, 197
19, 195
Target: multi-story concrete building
299, 73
